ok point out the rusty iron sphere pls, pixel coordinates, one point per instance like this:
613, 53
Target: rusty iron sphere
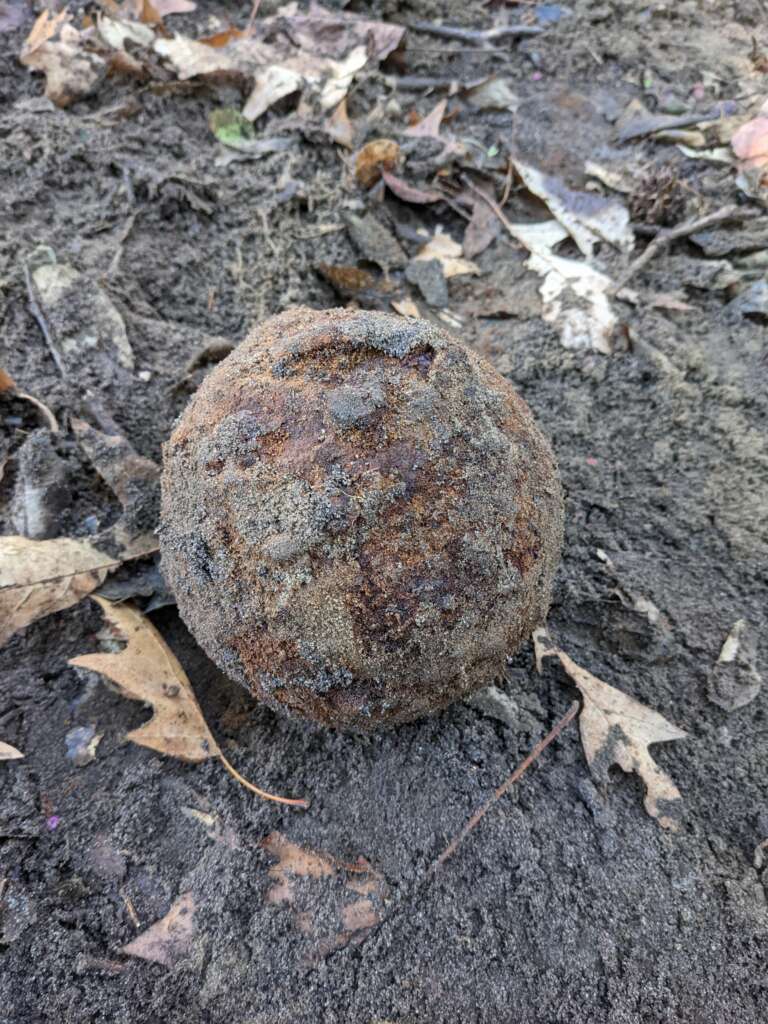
360, 518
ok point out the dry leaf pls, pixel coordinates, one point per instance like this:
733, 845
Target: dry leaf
617, 729
318, 53
38, 577
135, 481
409, 193
406, 307
448, 253
169, 939
429, 126
9, 753
57, 49
750, 142
734, 680
8, 386
273, 84
166, 7
375, 157
351, 900
587, 217
575, 295
339, 127
147, 670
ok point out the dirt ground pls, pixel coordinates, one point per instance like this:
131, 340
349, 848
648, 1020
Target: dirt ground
568, 902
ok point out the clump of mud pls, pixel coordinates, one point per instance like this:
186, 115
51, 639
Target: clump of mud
360, 518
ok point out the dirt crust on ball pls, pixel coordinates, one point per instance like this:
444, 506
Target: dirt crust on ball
360, 518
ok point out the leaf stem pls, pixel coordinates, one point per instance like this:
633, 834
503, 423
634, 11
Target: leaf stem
298, 802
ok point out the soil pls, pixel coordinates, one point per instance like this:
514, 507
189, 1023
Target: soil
567, 902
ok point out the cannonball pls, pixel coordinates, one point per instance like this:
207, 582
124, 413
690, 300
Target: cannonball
360, 519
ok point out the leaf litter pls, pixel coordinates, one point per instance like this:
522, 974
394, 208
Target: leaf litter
330, 916
168, 940
147, 670
9, 753
617, 729
316, 54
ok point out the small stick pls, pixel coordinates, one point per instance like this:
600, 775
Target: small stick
37, 313
497, 794
252, 19
493, 205
474, 35
667, 235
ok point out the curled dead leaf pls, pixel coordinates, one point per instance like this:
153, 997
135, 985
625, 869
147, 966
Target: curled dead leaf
409, 193
617, 729
376, 156
57, 49
8, 386
39, 577
147, 670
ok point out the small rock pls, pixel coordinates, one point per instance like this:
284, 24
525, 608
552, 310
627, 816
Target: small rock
428, 277
375, 242
81, 744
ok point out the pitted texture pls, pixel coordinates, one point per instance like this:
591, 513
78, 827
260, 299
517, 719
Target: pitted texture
360, 518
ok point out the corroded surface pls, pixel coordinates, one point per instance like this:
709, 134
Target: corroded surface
360, 518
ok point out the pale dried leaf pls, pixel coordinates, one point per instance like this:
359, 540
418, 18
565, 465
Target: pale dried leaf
734, 680
117, 33
339, 127
273, 84
617, 729
406, 307
170, 938
429, 126
448, 253
57, 49
587, 217
9, 753
38, 577
716, 155
147, 670
575, 295
166, 7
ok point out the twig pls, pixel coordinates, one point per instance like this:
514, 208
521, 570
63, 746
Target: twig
474, 35
37, 313
252, 18
497, 794
507, 183
667, 235
492, 203
121, 240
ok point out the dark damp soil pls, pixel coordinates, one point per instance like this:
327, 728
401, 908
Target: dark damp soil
567, 903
